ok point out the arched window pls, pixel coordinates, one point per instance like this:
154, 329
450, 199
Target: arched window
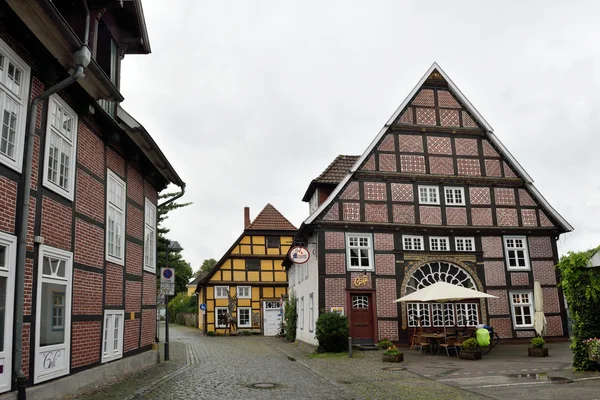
438, 271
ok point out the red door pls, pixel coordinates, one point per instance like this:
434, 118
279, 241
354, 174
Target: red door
361, 318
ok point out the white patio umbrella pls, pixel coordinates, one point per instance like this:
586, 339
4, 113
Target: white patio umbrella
539, 319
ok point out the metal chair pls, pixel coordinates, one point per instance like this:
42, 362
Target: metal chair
422, 343
449, 345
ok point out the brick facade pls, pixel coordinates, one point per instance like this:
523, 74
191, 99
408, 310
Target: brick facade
85, 338
8, 204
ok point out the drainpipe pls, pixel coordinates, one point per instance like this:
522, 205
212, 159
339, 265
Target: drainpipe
81, 59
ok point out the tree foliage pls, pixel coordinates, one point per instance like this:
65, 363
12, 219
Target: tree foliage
291, 316
207, 265
183, 270
581, 287
332, 332
182, 303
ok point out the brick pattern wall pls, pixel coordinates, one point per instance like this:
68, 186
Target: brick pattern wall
90, 150
384, 241
385, 264
114, 285
32, 210
335, 293
89, 244
90, 196
25, 340
335, 263
498, 306
149, 289
133, 296
519, 278
132, 335
135, 222
388, 329
56, 224
351, 192
134, 258
87, 292
334, 240
386, 294
135, 185
148, 327
27, 294
333, 214
503, 326
8, 204
35, 162
554, 326
150, 192
544, 272
86, 337
115, 162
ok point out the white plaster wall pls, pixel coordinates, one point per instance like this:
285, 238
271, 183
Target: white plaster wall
303, 287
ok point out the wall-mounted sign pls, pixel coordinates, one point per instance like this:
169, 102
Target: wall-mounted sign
339, 310
361, 280
299, 255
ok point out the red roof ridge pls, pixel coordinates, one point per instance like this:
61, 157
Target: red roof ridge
270, 219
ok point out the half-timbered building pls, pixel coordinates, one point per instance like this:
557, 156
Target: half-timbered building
435, 197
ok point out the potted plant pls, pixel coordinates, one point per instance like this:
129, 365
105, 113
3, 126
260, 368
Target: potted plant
384, 343
593, 346
538, 349
392, 354
470, 350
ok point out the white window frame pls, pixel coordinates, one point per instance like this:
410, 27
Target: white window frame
529, 304
467, 307
217, 317
239, 324
149, 236
302, 313
110, 334
464, 240
369, 248
120, 260
508, 250
442, 241
22, 101
241, 295
311, 312
63, 140
8, 272
409, 242
60, 352
218, 289
450, 196
427, 193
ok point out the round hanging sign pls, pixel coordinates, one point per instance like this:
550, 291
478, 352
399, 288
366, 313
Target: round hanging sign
299, 255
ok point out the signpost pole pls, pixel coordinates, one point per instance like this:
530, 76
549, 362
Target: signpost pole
167, 314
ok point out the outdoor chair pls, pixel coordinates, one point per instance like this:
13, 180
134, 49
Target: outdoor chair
450, 344
415, 340
458, 344
422, 343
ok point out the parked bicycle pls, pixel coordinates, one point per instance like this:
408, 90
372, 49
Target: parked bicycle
469, 331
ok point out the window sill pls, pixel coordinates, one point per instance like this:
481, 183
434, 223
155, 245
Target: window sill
518, 269
115, 260
58, 190
360, 269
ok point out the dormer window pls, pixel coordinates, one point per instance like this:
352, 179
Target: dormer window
107, 53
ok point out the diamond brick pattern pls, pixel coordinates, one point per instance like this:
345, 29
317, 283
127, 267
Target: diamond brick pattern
480, 195
525, 334
412, 164
351, 211
375, 191
504, 196
544, 221
333, 214
525, 199
388, 330
540, 247
441, 165
386, 294
498, 306
449, 117
334, 240
411, 143
376, 213
466, 147
439, 145
488, 150
355, 275
492, 247
404, 214
384, 241
502, 326
387, 162
426, 116
370, 164
445, 99
529, 217
554, 326
351, 192
406, 117
335, 263
544, 272
402, 192
519, 279
551, 301
456, 216
335, 293
424, 98
385, 264
468, 166
387, 144
492, 168
507, 217
508, 172
430, 215
468, 121
481, 216
494, 273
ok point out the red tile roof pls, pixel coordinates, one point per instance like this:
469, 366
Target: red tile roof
269, 219
337, 170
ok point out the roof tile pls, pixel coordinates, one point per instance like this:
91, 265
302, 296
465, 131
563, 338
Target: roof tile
269, 219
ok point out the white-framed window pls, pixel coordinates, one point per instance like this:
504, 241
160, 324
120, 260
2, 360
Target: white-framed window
464, 243
311, 312
418, 314
302, 312
439, 243
467, 314
522, 309
112, 337
221, 292
359, 252
8, 260
149, 236
53, 314
442, 314
517, 256
455, 196
429, 195
115, 219
244, 315
14, 91
221, 317
244, 292
412, 242
61, 148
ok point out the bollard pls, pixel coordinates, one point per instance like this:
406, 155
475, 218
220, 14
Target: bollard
349, 347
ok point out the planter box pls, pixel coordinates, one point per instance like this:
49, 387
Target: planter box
538, 352
592, 357
393, 359
470, 354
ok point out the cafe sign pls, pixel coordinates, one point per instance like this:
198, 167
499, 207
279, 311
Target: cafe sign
361, 280
299, 255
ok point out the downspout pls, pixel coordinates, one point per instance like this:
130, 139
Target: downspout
81, 59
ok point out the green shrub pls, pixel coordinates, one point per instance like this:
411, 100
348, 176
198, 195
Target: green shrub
291, 317
384, 343
210, 333
470, 344
246, 333
182, 303
332, 332
391, 351
538, 342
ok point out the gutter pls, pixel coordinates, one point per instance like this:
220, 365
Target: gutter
81, 58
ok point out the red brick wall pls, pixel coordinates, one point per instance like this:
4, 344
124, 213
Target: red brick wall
86, 337
37, 88
114, 285
134, 258
334, 240
90, 196
498, 306
56, 224
133, 296
149, 289
388, 329
335, 263
335, 293
384, 241
135, 222
148, 327
30, 225
89, 244
87, 293
386, 294
90, 150
35, 158
503, 326
132, 335
385, 264
8, 204
115, 162
150, 192
25, 340
27, 295
135, 185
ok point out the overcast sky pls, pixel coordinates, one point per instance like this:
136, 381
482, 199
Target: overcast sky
250, 100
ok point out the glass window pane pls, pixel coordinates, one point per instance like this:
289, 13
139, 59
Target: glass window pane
49, 333
3, 251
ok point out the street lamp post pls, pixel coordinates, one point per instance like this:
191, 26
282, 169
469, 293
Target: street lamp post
174, 246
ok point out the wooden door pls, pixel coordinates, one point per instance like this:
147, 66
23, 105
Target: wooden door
361, 318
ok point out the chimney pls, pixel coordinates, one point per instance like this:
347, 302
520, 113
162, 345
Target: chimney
246, 217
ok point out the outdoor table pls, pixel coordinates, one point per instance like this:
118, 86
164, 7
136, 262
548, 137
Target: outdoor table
434, 339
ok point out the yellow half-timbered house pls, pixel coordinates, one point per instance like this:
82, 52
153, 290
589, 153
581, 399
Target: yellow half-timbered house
251, 271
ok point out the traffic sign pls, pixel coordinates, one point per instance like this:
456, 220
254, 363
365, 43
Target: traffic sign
167, 281
203, 307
